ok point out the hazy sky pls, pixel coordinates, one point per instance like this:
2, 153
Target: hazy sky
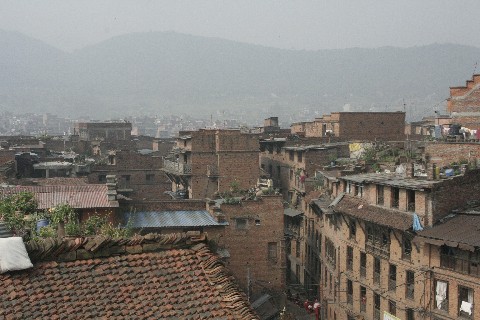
318, 24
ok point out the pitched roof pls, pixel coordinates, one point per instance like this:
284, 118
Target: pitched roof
461, 230
360, 209
164, 277
167, 219
77, 196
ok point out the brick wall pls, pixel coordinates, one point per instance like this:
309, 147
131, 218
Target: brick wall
467, 98
249, 246
444, 153
455, 193
167, 205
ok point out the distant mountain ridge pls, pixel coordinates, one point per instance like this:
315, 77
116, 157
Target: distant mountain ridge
171, 73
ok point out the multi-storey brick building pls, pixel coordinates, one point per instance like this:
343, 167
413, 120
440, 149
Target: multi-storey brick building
359, 255
464, 103
291, 166
138, 176
208, 161
254, 240
345, 126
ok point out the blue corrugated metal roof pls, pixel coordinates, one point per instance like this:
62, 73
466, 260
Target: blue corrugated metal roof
168, 219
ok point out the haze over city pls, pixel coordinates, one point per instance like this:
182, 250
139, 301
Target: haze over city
246, 160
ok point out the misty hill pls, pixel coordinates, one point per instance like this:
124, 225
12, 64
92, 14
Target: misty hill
171, 73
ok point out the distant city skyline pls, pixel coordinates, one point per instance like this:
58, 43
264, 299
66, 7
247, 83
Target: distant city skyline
310, 25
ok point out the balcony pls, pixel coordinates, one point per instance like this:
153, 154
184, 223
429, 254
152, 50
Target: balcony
377, 249
376, 314
212, 171
178, 168
392, 285
363, 271
376, 278
350, 299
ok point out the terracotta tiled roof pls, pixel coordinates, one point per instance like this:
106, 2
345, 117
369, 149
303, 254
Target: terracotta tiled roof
77, 196
163, 277
360, 209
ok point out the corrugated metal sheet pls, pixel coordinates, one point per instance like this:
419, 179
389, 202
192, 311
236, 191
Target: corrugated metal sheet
77, 196
171, 219
458, 231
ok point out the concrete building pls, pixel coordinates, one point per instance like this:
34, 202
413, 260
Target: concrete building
206, 162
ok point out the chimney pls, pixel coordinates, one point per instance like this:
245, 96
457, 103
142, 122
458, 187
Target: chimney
112, 187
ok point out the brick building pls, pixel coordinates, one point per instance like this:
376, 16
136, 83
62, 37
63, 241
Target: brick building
248, 234
138, 176
358, 252
205, 162
346, 126
464, 103
291, 166
254, 239
105, 131
453, 249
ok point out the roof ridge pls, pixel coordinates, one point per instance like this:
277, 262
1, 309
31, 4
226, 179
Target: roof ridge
80, 248
214, 270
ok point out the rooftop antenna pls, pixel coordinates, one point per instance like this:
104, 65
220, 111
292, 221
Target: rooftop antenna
474, 68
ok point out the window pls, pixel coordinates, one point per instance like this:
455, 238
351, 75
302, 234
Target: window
125, 182
460, 260
349, 258
348, 187
380, 195
406, 248
411, 200
330, 252
102, 178
278, 172
376, 306
441, 295
410, 314
360, 191
410, 285
111, 159
363, 264
465, 302
257, 222
392, 307
349, 292
392, 278
150, 178
378, 240
352, 229
376, 270
272, 250
395, 197
291, 155
297, 249
299, 156
241, 223
363, 299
